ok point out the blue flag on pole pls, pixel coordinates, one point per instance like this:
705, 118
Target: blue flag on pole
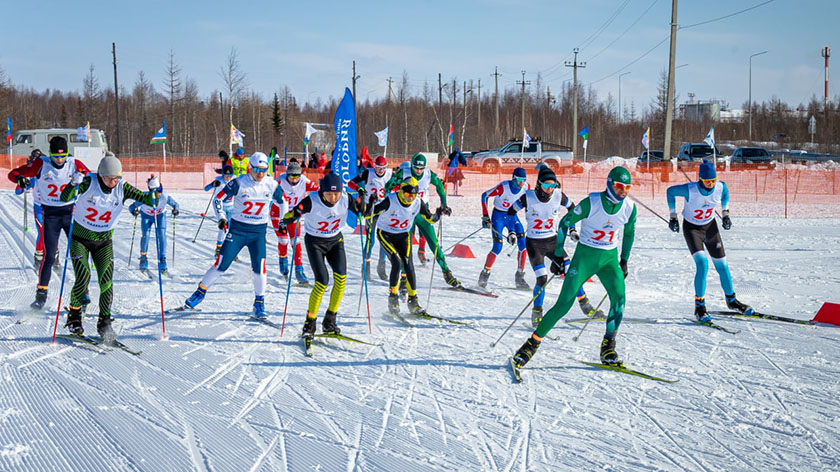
344, 155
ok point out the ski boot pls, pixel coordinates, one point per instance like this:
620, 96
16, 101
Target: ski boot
520, 280
259, 307
422, 256
736, 305
284, 267
608, 354
450, 279
526, 352
40, 299
536, 316
74, 321
196, 297
394, 303
144, 262
162, 266
300, 276
380, 271
700, 310
589, 310
308, 328
328, 325
483, 277
403, 287
106, 332
414, 306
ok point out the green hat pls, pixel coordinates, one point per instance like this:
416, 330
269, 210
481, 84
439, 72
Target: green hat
418, 160
619, 174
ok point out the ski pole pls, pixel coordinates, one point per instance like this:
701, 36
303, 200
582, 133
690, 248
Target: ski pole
133, 233
160, 276
651, 210
173, 240
434, 261
464, 239
66, 258
589, 315
493, 344
204, 215
25, 230
364, 272
365, 242
289, 284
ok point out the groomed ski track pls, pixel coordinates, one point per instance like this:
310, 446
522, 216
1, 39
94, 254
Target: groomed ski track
225, 393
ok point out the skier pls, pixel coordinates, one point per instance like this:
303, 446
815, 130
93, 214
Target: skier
37, 213
700, 229
101, 198
252, 193
425, 177
53, 174
295, 188
154, 215
542, 206
239, 162
371, 188
602, 215
505, 193
395, 215
327, 209
226, 207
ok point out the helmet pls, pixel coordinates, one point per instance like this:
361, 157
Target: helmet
618, 175
293, 169
258, 159
418, 160
331, 183
154, 183
409, 186
110, 166
380, 162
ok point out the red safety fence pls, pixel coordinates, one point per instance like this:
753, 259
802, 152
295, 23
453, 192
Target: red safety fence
791, 190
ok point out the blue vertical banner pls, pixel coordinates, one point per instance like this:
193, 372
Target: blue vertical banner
344, 155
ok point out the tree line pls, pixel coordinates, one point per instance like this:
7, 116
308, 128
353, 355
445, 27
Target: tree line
418, 118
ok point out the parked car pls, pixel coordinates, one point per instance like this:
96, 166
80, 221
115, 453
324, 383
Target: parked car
654, 156
27, 140
696, 152
512, 155
751, 155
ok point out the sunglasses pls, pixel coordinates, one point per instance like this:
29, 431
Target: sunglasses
60, 156
113, 178
409, 194
622, 186
520, 179
260, 170
709, 182
294, 177
547, 185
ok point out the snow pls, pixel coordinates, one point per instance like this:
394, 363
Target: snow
224, 393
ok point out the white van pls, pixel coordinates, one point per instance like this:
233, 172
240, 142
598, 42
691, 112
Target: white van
27, 140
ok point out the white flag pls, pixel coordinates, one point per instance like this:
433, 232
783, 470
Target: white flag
646, 139
309, 132
382, 136
710, 138
526, 140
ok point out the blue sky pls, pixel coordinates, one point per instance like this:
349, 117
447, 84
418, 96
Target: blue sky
310, 46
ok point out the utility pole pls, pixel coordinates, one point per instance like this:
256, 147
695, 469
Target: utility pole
547, 109
826, 52
523, 83
440, 104
479, 105
496, 99
355, 78
669, 106
575, 65
387, 103
117, 95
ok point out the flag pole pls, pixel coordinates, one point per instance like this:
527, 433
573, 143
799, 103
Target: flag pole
164, 161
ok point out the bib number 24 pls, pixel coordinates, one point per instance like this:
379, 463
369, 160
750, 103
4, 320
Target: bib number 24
93, 216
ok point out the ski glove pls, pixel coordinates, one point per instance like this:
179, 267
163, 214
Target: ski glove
674, 223
22, 182
558, 269
217, 183
77, 178
623, 264
223, 223
511, 238
135, 212
446, 210
727, 223
485, 222
175, 212
573, 234
281, 228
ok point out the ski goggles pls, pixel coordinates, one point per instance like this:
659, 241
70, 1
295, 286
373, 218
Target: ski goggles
622, 186
60, 156
410, 191
419, 168
709, 182
520, 179
294, 177
547, 185
260, 170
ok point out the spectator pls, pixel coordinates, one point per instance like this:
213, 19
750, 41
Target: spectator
239, 162
225, 161
313, 161
454, 174
322, 161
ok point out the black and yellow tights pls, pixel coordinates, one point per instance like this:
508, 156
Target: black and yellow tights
99, 247
323, 251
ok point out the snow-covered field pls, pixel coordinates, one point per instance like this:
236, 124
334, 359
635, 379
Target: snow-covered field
224, 393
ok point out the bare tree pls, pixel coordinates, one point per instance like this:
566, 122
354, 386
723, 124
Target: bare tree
234, 79
91, 91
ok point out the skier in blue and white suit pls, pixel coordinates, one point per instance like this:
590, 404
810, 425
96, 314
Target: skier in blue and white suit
156, 216
227, 203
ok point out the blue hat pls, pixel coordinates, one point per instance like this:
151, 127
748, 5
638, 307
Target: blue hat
707, 170
519, 172
331, 183
239, 152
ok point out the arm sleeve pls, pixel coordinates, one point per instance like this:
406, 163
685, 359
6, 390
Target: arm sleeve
579, 212
426, 213
629, 236
724, 198
441, 190
209, 186
673, 192
359, 180
81, 167
497, 190
232, 188
302, 208
518, 205
567, 202
171, 202
69, 191
29, 170
131, 193
382, 206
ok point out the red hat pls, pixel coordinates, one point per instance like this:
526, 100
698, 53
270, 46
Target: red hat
380, 161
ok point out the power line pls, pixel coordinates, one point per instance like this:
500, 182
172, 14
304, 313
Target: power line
603, 27
728, 16
654, 2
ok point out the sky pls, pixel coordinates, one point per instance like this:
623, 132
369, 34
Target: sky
310, 46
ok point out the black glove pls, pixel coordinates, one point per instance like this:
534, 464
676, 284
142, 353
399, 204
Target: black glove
485, 222
558, 269
446, 210
281, 227
22, 181
511, 238
674, 224
573, 234
135, 212
727, 223
217, 183
623, 264
436, 214
175, 212
223, 224
362, 192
